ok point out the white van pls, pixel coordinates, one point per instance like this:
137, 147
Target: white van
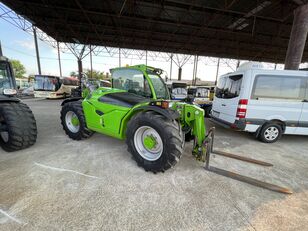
268, 103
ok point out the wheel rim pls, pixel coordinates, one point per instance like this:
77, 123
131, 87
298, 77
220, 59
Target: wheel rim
148, 143
271, 133
72, 122
4, 136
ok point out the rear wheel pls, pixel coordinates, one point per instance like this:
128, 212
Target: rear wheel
73, 121
270, 133
155, 142
17, 126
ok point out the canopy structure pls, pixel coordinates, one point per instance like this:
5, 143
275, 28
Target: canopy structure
250, 30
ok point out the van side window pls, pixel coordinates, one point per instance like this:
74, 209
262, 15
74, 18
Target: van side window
229, 87
278, 87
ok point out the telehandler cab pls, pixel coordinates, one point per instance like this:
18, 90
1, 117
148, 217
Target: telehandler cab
17, 123
138, 109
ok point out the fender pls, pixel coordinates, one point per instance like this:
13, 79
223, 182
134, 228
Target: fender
168, 113
8, 99
70, 100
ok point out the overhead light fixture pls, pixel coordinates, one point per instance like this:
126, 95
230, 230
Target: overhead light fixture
237, 24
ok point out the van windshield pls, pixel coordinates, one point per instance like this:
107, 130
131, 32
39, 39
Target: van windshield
229, 87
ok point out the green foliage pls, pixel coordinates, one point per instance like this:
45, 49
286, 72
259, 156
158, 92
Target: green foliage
95, 74
19, 68
74, 74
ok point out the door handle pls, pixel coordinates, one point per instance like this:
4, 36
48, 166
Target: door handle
305, 101
223, 105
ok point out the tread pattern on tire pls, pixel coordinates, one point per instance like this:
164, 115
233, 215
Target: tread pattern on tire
76, 107
171, 134
21, 126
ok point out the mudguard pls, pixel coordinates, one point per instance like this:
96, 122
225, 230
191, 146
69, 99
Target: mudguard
8, 99
168, 113
70, 100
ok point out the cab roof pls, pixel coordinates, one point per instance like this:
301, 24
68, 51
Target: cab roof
141, 67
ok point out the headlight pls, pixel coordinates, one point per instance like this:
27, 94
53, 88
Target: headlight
9, 92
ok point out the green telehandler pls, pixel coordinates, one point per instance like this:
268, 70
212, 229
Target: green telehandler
137, 108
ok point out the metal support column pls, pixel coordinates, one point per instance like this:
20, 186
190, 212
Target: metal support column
297, 38
171, 61
1, 54
146, 57
119, 57
217, 70
238, 63
37, 51
194, 69
79, 70
91, 64
180, 73
59, 59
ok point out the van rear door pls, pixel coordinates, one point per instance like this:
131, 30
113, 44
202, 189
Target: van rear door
227, 97
302, 128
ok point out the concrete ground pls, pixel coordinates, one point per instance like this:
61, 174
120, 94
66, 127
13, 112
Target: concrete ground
61, 184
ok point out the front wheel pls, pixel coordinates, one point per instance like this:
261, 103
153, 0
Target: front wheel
73, 121
17, 126
155, 142
270, 133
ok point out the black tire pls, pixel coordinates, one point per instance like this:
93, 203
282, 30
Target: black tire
188, 136
19, 124
170, 133
207, 111
264, 136
75, 107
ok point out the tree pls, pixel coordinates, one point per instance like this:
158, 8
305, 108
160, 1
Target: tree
19, 68
96, 74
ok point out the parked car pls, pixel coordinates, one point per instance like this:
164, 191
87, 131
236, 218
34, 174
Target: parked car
201, 96
268, 103
177, 89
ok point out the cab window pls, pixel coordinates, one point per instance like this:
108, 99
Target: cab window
131, 80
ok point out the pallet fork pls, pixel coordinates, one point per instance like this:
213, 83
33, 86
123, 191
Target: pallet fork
209, 144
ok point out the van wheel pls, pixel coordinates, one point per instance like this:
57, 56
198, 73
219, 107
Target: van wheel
270, 133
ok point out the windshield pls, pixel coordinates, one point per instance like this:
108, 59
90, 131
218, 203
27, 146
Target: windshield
159, 86
46, 83
202, 92
131, 80
5, 77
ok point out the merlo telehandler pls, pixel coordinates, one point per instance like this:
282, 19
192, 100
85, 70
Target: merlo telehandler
137, 108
